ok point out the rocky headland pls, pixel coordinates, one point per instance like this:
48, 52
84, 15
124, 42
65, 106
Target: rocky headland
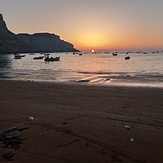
29, 43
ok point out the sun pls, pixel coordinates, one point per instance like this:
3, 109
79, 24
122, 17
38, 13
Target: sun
93, 51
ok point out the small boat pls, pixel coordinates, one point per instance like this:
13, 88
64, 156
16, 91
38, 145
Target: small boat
127, 58
47, 58
40, 57
114, 54
52, 59
32, 54
17, 57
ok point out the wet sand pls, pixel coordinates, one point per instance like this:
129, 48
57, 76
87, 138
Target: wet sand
80, 123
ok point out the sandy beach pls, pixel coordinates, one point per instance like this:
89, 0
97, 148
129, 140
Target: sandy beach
80, 123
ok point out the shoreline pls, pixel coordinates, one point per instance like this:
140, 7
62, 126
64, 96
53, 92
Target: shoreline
88, 82
83, 122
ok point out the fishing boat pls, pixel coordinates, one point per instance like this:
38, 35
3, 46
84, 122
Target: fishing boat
17, 57
40, 57
51, 59
127, 58
114, 54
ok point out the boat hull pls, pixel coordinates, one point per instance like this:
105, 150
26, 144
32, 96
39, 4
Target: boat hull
52, 59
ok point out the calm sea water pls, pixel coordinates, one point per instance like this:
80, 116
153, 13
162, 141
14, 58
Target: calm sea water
100, 68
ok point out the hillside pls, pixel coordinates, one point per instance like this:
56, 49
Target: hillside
26, 43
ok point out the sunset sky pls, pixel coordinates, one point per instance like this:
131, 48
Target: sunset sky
90, 24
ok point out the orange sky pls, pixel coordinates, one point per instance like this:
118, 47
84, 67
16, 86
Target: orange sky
90, 24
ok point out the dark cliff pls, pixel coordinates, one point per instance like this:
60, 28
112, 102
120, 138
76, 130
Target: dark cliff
8, 41
46, 42
25, 43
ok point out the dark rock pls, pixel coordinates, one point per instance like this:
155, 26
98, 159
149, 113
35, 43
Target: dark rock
8, 154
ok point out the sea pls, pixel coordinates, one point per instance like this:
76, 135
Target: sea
98, 68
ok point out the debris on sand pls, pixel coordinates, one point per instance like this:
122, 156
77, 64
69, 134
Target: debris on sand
132, 140
8, 154
11, 138
83, 81
128, 127
30, 118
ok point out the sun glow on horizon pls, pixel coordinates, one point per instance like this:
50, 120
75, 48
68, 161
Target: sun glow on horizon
91, 39
102, 42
